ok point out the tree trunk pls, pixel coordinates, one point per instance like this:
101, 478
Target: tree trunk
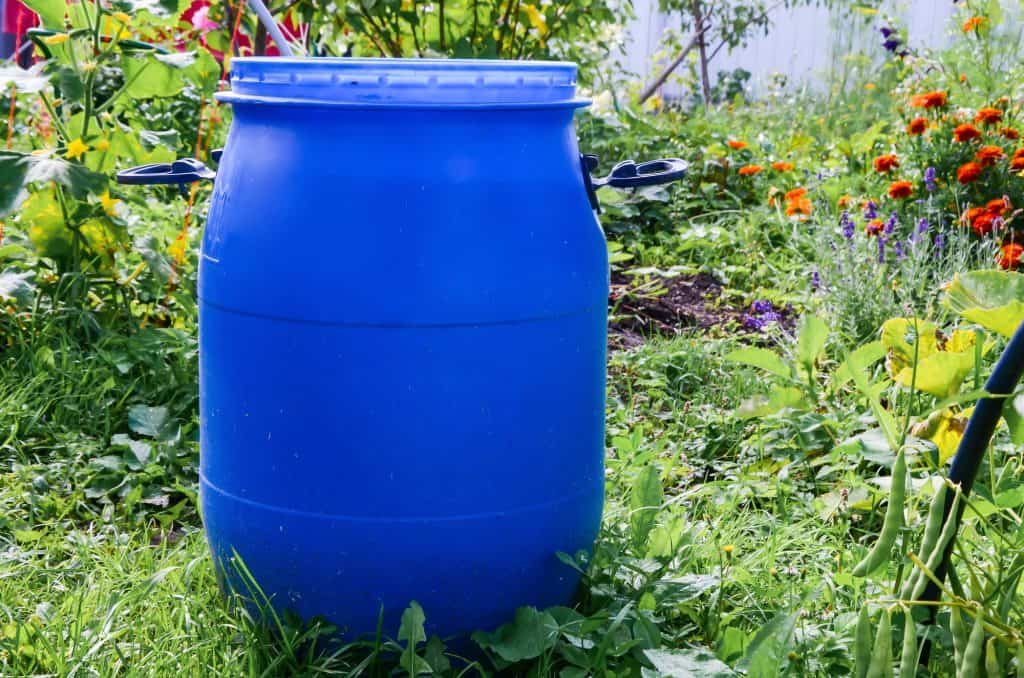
702, 48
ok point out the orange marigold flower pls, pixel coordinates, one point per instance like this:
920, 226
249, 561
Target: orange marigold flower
973, 213
873, 227
782, 166
988, 116
935, 99
801, 207
1010, 133
796, 194
974, 23
1017, 164
968, 172
998, 207
901, 189
736, 144
1009, 256
984, 224
988, 155
844, 201
965, 132
750, 170
1019, 153
886, 163
917, 126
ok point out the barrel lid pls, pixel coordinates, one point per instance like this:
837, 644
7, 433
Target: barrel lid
403, 83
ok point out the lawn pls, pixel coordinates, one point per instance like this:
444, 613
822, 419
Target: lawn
799, 332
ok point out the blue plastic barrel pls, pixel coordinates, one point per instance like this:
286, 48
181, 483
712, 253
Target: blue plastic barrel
403, 299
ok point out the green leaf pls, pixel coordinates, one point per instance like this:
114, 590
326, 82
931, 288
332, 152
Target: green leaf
860, 359
148, 77
528, 636
1013, 412
148, 247
813, 334
152, 422
645, 501
71, 86
168, 9
761, 358
51, 12
17, 286
992, 299
939, 374
411, 627
780, 398
24, 80
696, 662
19, 170
141, 449
769, 647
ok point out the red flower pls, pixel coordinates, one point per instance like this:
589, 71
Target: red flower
1009, 256
983, 225
886, 163
749, 170
998, 207
988, 116
968, 172
929, 100
965, 132
901, 189
988, 155
1010, 133
917, 126
1017, 164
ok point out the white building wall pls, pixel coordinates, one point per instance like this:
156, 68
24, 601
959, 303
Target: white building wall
806, 44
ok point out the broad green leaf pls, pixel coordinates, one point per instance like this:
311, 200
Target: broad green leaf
696, 661
860, 359
411, 627
148, 77
24, 80
151, 422
528, 636
939, 374
945, 429
19, 170
41, 216
51, 12
992, 299
761, 358
811, 340
141, 449
907, 338
17, 286
645, 501
780, 398
167, 9
1013, 412
769, 647
158, 262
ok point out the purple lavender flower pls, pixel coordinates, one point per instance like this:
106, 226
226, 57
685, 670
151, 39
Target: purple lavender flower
847, 225
881, 250
771, 317
900, 254
940, 242
890, 224
929, 179
815, 280
922, 226
761, 306
870, 210
753, 323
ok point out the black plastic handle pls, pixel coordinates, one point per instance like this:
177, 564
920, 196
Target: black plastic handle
183, 171
628, 174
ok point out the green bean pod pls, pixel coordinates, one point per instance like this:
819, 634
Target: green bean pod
932, 529
881, 655
935, 557
862, 643
992, 659
880, 552
959, 633
971, 664
908, 653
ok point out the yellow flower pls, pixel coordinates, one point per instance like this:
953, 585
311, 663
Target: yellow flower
109, 204
76, 149
56, 39
728, 548
537, 19
122, 17
870, 86
407, 5
103, 145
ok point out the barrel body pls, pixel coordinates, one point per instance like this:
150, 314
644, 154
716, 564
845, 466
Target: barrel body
402, 360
